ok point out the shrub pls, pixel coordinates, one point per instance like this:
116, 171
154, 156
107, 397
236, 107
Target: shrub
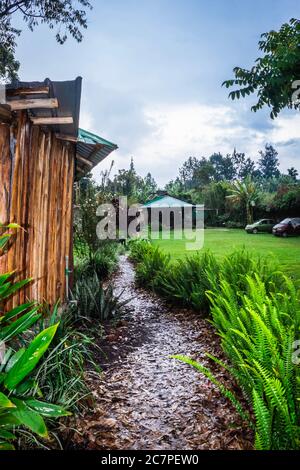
19, 406
233, 224
94, 301
188, 280
139, 248
235, 267
103, 262
150, 270
69, 352
257, 333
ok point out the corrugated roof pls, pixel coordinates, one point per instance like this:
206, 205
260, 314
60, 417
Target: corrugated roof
166, 201
93, 147
90, 138
68, 94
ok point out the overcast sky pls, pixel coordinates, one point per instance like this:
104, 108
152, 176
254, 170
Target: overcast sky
152, 73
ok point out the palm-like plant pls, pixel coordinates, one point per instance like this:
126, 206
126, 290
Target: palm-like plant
246, 193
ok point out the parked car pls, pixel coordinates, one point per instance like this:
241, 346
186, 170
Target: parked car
289, 226
262, 225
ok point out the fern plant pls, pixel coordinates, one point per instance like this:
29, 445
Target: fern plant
256, 312
153, 264
188, 280
257, 331
139, 248
236, 266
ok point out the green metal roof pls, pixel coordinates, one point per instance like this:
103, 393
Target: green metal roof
93, 148
90, 138
166, 201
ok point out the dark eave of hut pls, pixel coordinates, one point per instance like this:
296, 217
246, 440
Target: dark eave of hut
56, 106
63, 99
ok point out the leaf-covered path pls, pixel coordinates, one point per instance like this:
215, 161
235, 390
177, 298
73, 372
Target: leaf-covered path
144, 399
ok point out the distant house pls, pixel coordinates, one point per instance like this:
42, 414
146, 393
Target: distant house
42, 152
171, 208
166, 201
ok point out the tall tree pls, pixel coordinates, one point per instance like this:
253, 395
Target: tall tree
275, 75
85, 218
129, 183
196, 172
126, 182
224, 167
205, 173
188, 172
68, 16
175, 187
268, 163
149, 186
214, 196
293, 173
243, 165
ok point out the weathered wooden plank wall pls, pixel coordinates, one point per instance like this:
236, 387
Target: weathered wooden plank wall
36, 190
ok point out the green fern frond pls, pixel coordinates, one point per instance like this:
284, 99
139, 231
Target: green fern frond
227, 393
263, 422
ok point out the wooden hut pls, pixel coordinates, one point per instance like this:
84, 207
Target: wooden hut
41, 154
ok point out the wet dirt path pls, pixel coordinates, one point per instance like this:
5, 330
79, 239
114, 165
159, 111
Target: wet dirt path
144, 399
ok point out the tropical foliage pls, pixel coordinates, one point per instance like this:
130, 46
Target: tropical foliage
258, 334
62, 373
273, 75
237, 189
245, 193
94, 301
68, 17
138, 248
205, 180
103, 262
255, 310
91, 300
153, 263
20, 403
186, 281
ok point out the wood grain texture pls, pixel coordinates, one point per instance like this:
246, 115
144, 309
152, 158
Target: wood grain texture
36, 191
5, 113
48, 121
40, 90
33, 103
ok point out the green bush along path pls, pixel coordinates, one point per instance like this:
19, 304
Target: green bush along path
146, 400
221, 241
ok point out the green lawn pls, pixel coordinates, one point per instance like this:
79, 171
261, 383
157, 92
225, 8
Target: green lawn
222, 241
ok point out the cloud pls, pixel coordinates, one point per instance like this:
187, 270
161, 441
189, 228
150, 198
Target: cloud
169, 134
286, 128
86, 120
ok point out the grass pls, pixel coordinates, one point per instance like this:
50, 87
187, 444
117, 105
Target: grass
221, 241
